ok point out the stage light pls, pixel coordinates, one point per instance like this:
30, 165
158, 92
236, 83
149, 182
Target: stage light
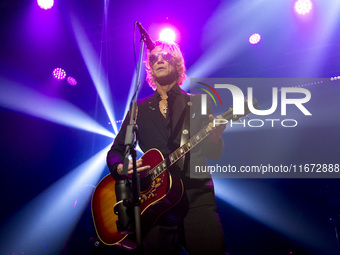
335, 78
59, 73
303, 6
45, 4
167, 35
72, 81
255, 38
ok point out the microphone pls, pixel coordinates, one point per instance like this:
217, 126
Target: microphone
150, 45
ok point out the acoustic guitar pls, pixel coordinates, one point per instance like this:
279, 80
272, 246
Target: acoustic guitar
160, 190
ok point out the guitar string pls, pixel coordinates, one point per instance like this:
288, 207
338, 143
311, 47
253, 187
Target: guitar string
201, 137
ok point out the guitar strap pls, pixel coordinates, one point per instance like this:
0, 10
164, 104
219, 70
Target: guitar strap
185, 132
186, 124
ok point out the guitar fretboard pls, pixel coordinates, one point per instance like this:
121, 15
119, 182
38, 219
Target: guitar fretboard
185, 148
193, 141
179, 153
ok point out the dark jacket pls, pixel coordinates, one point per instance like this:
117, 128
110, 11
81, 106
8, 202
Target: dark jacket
154, 131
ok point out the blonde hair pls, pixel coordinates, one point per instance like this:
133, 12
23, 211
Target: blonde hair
178, 62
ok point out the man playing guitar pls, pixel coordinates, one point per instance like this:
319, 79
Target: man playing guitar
191, 222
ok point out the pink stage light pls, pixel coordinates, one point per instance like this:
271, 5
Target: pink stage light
59, 74
167, 35
72, 81
303, 6
45, 4
255, 38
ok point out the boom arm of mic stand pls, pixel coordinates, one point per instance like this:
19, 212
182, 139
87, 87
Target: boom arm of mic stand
130, 131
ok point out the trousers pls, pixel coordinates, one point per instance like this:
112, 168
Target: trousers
199, 232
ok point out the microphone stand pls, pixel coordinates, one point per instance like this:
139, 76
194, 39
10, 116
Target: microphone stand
130, 149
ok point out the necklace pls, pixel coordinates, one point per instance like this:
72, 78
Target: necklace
165, 108
163, 105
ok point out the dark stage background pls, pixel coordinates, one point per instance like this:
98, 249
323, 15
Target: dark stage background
54, 136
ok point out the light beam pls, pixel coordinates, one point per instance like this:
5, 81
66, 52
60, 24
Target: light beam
270, 207
23, 99
95, 69
49, 219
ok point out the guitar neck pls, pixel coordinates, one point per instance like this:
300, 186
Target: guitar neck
180, 152
185, 148
196, 139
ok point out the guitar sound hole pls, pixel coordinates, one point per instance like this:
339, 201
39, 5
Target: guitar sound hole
145, 182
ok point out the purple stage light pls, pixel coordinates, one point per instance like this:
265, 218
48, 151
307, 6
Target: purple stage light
303, 6
167, 35
72, 81
255, 38
335, 78
59, 73
45, 4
